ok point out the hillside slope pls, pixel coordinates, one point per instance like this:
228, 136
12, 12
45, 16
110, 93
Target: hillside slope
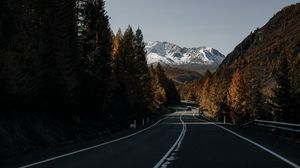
257, 58
261, 52
180, 76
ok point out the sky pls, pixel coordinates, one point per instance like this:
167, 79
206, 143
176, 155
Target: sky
220, 24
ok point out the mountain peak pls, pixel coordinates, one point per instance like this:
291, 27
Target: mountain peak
172, 54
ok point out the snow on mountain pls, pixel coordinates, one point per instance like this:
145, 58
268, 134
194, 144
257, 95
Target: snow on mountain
172, 54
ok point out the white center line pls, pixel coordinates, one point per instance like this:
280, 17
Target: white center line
180, 138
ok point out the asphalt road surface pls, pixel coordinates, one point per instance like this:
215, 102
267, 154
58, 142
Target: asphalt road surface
181, 140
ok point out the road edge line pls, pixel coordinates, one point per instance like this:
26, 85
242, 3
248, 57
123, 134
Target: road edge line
258, 145
92, 147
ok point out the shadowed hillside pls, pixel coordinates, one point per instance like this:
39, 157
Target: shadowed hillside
249, 83
181, 75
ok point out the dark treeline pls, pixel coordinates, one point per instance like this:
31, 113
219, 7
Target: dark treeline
62, 70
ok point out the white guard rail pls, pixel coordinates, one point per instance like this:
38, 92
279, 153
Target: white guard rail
273, 124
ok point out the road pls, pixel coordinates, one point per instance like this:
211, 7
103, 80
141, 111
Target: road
181, 140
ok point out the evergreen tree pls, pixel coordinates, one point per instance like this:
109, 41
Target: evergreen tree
96, 40
127, 71
96, 51
254, 102
172, 96
132, 72
142, 71
282, 102
60, 84
19, 52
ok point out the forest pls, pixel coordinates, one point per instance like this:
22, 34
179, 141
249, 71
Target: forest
65, 76
259, 79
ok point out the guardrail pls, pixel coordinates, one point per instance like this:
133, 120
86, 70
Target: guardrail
273, 124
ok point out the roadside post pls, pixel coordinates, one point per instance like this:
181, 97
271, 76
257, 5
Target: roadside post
134, 124
224, 115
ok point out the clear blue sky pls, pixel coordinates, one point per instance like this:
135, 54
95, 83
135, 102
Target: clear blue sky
220, 24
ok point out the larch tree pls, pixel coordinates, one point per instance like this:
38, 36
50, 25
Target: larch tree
158, 91
116, 45
235, 96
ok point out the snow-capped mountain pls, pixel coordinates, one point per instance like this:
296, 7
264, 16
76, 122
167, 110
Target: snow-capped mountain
172, 54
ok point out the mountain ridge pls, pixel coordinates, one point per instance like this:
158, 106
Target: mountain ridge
167, 53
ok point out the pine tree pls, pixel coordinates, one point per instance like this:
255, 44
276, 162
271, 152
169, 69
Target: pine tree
254, 102
142, 71
60, 64
172, 96
282, 102
127, 71
96, 51
95, 38
19, 52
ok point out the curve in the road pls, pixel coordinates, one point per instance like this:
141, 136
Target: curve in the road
178, 141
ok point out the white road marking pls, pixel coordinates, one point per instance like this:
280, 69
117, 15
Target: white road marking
92, 147
194, 115
179, 140
258, 145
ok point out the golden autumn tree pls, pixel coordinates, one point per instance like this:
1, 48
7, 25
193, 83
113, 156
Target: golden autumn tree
204, 94
116, 56
158, 90
235, 95
116, 45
